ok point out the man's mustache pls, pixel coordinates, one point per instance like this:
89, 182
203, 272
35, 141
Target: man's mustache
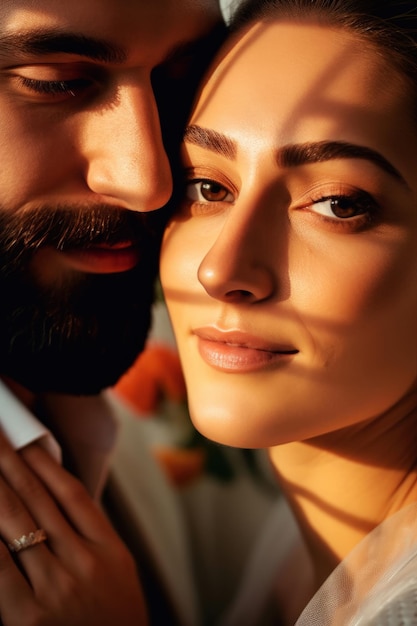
67, 227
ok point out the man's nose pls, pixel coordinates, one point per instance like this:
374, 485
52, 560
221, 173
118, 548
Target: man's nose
125, 157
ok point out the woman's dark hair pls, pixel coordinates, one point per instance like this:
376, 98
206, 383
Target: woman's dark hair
390, 25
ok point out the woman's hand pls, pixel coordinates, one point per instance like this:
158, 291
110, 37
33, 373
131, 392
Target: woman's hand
82, 575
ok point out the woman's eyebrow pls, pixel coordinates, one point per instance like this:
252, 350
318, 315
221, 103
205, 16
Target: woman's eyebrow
211, 140
44, 42
293, 155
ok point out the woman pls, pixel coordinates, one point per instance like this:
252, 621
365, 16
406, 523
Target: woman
289, 273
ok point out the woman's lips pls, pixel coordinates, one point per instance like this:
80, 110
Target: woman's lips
240, 352
103, 258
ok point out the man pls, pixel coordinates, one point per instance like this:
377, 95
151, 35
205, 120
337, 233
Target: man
82, 156
83, 86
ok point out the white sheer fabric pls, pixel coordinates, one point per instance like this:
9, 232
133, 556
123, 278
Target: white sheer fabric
376, 585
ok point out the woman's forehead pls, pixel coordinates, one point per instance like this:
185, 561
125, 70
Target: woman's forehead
291, 59
301, 82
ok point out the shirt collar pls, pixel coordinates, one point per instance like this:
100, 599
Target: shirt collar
20, 425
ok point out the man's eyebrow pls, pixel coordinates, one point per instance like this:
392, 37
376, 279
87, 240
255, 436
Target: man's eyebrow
41, 42
316, 152
211, 140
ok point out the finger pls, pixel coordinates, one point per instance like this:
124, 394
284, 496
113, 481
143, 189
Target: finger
16, 522
15, 519
14, 588
25, 505
83, 513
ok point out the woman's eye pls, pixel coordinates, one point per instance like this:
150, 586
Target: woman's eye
207, 191
344, 207
55, 87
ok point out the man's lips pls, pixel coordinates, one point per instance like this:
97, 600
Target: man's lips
237, 351
103, 258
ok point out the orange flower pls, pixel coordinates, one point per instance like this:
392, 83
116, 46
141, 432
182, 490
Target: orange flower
155, 374
181, 465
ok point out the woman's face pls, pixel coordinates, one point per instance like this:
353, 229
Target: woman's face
289, 271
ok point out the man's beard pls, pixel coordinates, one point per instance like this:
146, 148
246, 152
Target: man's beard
82, 333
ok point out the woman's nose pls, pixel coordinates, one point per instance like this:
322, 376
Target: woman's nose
240, 264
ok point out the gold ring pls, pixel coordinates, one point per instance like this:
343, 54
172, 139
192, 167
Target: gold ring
27, 541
